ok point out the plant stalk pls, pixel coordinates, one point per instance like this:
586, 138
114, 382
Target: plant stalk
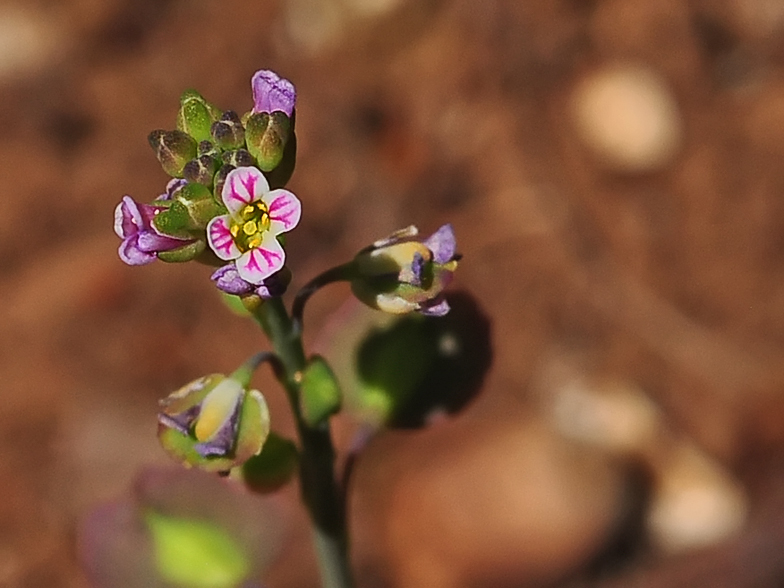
320, 492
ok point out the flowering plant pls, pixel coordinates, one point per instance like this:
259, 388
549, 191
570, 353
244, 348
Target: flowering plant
227, 206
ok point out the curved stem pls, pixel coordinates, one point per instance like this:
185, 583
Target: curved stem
244, 373
336, 274
319, 486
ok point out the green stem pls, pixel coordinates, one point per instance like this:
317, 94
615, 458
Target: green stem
320, 490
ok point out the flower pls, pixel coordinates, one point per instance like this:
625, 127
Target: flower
141, 241
214, 423
257, 215
228, 279
401, 274
271, 93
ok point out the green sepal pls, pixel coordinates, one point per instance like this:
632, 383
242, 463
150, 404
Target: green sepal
173, 149
280, 176
273, 468
201, 206
266, 136
196, 553
185, 253
321, 396
196, 115
174, 221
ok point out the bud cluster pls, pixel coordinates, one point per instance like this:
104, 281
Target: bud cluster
200, 154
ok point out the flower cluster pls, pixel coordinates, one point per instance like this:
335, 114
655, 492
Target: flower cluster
225, 204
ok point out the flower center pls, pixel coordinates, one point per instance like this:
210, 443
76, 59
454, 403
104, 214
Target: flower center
247, 228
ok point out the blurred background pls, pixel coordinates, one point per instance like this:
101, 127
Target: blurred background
613, 170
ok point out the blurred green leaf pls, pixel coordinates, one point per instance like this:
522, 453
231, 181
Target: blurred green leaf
273, 467
196, 554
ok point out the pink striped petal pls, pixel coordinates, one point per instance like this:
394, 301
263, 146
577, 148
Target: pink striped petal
220, 240
243, 186
256, 265
284, 210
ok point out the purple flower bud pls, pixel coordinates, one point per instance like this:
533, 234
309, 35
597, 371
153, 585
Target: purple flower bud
402, 273
141, 242
228, 279
271, 93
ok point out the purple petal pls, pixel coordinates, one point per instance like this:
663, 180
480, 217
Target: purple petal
442, 243
243, 185
417, 268
258, 264
228, 279
275, 285
173, 185
152, 242
285, 210
128, 219
271, 93
436, 307
220, 239
181, 422
131, 254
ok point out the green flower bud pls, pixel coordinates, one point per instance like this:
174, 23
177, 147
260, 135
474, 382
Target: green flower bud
213, 423
228, 132
403, 273
266, 135
196, 115
321, 395
280, 176
191, 208
200, 170
173, 149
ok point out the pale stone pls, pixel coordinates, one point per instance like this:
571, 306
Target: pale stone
696, 502
27, 41
612, 414
628, 117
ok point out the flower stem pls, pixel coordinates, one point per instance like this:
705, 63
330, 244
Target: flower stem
319, 486
336, 274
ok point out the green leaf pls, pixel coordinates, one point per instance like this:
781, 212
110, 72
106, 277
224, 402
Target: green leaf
321, 396
196, 554
273, 467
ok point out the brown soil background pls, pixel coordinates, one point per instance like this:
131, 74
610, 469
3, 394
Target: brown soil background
410, 111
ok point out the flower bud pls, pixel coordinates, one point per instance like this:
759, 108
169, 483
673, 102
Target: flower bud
266, 135
228, 132
272, 93
213, 423
401, 274
321, 395
191, 208
200, 170
238, 158
142, 242
173, 149
196, 115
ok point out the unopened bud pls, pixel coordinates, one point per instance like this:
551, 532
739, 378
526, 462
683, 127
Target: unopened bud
173, 149
266, 136
228, 132
238, 158
200, 170
196, 115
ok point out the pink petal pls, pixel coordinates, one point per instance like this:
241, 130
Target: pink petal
258, 264
243, 186
284, 210
220, 239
